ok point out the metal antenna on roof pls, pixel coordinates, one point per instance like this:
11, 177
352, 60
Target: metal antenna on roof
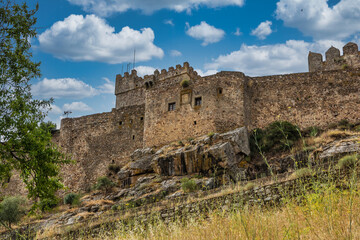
134, 58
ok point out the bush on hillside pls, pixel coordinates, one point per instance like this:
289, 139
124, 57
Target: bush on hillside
188, 185
11, 210
279, 135
72, 199
48, 204
104, 184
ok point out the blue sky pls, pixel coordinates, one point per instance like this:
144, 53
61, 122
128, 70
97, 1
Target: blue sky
83, 44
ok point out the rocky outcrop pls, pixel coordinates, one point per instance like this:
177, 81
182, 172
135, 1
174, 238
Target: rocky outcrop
141, 161
341, 147
210, 155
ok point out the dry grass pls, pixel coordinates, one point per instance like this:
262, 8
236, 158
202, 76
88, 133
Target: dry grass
98, 202
331, 135
330, 215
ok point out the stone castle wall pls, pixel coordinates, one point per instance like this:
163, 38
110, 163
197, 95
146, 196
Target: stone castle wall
305, 99
98, 140
189, 119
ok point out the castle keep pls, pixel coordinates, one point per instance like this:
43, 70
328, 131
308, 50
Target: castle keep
177, 104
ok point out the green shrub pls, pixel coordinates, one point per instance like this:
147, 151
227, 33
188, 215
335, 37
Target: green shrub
279, 135
11, 210
188, 185
114, 168
185, 83
48, 204
349, 161
103, 184
72, 199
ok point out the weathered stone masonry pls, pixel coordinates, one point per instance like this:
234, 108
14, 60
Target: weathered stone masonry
157, 109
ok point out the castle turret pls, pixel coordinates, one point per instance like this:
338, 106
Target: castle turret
125, 88
332, 53
350, 49
314, 61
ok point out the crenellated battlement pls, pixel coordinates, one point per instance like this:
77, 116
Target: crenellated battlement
333, 59
127, 82
132, 81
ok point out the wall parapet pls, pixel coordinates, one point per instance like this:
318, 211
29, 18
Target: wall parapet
131, 81
333, 59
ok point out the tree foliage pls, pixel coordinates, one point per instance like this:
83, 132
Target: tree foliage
104, 184
25, 141
11, 210
278, 136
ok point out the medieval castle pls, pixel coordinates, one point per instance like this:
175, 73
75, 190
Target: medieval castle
177, 104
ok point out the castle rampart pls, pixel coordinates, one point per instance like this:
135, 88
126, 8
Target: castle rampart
177, 104
98, 140
306, 99
334, 61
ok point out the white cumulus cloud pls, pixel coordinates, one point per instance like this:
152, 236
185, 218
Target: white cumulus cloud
107, 87
175, 53
90, 38
76, 106
206, 73
108, 7
63, 88
169, 22
315, 18
144, 70
283, 58
55, 109
206, 33
263, 30
237, 32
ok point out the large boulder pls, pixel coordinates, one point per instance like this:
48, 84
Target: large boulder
141, 161
226, 154
342, 147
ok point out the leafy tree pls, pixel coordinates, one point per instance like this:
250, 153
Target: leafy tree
25, 143
11, 210
104, 184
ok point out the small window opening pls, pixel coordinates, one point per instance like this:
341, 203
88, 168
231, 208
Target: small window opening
120, 123
133, 137
194, 122
219, 91
171, 107
198, 101
142, 118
